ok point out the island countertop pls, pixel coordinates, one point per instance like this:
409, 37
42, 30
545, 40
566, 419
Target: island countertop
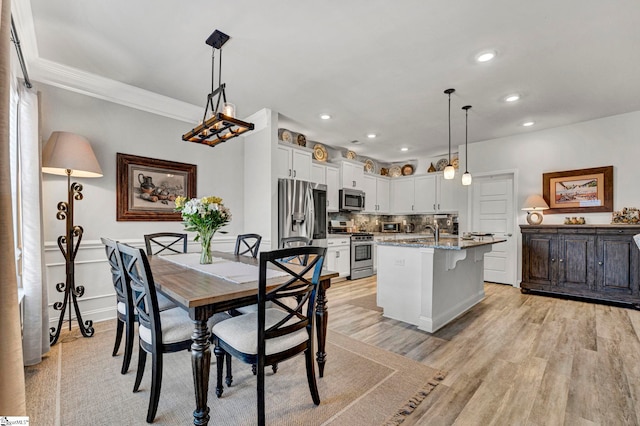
443, 243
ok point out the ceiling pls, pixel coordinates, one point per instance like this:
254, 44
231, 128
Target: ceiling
374, 66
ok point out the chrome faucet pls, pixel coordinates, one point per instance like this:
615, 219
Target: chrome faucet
436, 231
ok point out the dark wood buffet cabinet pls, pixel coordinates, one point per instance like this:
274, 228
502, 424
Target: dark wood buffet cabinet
600, 262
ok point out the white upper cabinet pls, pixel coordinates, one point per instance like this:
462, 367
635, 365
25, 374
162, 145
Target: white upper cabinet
332, 182
319, 173
293, 163
451, 194
352, 175
376, 194
426, 194
402, 195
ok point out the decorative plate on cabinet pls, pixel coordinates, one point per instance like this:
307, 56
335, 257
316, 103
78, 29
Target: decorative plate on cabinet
455, 162
285, 135
395, 171
369, 166
441, 164
431, 168
351, 155
320, 152
384, 171
407, 170
301, 140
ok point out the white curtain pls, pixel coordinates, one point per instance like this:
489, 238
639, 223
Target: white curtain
27, 189
12, 389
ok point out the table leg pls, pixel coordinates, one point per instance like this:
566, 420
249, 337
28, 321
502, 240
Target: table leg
200, 363
322, 318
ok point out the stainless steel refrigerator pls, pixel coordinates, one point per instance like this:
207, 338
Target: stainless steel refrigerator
302, 211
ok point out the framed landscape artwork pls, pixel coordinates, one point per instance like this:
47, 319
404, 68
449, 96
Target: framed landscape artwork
579, 191
147, 188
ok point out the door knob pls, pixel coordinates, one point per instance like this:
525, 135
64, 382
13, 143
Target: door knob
509, 235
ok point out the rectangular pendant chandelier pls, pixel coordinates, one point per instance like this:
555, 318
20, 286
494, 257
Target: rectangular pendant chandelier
220, 126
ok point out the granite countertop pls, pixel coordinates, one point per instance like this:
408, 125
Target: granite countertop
445, 243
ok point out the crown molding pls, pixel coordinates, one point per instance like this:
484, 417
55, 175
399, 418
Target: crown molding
89, 84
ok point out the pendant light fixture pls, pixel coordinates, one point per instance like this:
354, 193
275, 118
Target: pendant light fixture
466, 177
449, 171
221, 125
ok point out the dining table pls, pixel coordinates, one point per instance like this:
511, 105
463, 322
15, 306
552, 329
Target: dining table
203, 294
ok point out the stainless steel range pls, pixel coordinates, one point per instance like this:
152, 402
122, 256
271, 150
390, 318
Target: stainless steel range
361, 255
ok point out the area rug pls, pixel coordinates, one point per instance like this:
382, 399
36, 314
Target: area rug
362, 385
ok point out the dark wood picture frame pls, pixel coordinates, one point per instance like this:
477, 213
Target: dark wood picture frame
141, 199
579, 191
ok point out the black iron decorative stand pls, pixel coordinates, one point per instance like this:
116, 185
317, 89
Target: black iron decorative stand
69, 248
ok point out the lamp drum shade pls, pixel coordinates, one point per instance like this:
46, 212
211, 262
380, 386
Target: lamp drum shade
534, 205
68, 151
535, 202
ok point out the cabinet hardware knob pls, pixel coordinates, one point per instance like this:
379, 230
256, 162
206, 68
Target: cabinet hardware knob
434, 206
294, 173
553, 260
337, 254
438, 206
600, 263
561, 260
289, 172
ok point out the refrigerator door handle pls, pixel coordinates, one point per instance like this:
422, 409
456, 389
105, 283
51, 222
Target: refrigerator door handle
310, 211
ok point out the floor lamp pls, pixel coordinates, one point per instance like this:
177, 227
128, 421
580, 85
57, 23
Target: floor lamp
68, 154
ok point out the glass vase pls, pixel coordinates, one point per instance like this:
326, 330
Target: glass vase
205, 243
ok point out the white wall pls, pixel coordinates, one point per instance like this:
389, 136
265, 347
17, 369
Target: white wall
611, 141
113, 128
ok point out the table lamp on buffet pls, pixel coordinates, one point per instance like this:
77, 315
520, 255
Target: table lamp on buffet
534, 205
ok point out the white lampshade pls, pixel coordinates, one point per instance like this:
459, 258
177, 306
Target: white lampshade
449, 172
535, 202
466, 179
68, 151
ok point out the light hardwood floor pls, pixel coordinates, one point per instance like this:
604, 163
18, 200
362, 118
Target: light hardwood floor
513, 359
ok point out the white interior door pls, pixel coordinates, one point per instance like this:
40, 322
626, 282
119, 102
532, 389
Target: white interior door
493, 211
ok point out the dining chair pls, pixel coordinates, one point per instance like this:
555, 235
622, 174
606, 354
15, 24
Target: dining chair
272, 335
125, 311
298, 241
248, 244
161, 241
159, 332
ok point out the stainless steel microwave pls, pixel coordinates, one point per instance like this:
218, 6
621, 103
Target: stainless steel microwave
391, 226
351, 200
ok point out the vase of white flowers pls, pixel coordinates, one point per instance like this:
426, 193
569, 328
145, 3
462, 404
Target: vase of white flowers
205, 216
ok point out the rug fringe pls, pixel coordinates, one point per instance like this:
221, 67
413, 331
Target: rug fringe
415, 400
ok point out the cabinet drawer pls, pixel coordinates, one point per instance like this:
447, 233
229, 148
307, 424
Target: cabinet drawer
334, 242
618, 231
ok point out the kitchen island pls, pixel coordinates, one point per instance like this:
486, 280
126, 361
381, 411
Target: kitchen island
428, 283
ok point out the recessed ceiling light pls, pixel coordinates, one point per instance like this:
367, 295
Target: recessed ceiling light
371, 135
486, 56
528, 123
512, 98
325, 116
404, 148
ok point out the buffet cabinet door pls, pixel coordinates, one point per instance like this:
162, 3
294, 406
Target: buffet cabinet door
540, 260
618, 264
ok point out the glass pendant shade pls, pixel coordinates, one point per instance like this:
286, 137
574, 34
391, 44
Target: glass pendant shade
449, 172
466, 179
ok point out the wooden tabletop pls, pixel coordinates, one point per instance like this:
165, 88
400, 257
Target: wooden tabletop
191, 288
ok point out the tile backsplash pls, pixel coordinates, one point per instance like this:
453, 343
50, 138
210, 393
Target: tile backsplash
371, 223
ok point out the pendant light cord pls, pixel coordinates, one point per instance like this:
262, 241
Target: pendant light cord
466, 140
449, 128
